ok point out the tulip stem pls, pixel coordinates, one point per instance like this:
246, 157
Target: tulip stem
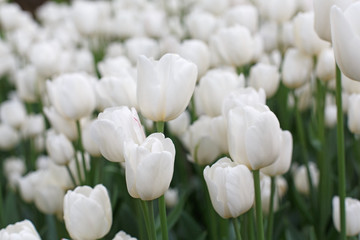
162, 212
271, 210
324, 202
250, 222
259, 217
2, 216
160, 127
145, 211
78, 170
80, 147
71, 175
341, 153
305, 155
236, 228
152, 219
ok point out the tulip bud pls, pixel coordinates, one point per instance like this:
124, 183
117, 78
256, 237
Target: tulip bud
254, 136
213, 88
352, 212
201, 25
305, 36
13, 113
301, 178
245, 15
279, 10
230, 186
87, 212
123, 236
325, 66
20, 230
198, 52
241, 97
354, 114
265, 76
138, 46
59, 148
165, 87
72, 95
88, 142
280, 190
113, 128
233, 46
149, 166
26, 81
297, 68
179, 125
283, 162
171, 197
61, 124
343, 29
33, 125
8, 137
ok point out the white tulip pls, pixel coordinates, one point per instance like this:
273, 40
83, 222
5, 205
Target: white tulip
13, 113
149, 167
21, 230
254, 136
59, 148
87, 212
265, 76
231, 187
9, 137
113, 128
165, 87
352, 212
346, 39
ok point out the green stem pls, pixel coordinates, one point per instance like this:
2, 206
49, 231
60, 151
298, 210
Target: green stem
236, 228
341, 153
2, 216
259, 217
81, 149
71, 175
324, 202
250, 223
78, 170
305, 156
160, 126
271, 210
145, 211
162, 212
152, 219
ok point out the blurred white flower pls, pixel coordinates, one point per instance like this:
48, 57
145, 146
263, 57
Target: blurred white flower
352, 211
21, 230
9, 137
87, 212
13, 113
301, 178
265, 76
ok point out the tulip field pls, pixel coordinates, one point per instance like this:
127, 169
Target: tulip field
180, 119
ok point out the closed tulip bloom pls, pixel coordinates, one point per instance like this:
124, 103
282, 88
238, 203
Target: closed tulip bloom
116, 91
9, 137
61, 124
179, 125
301, 178
279, 10
113, 128
26, 80
325, 66
346, 39
87, 212
34, 125
165, 87
13, 113
265, 76
59, 148
198, 52
72, 95
322, 16
123, 236
233, 46
48, 198
149, 166
206, 139
230, 186
138, 46
213, 88
280, 190
354, 114
24, 230
305, 37
201, 24
245, 15
88, 142
283, 162
352, 212
297, 68
241, 97
254, 136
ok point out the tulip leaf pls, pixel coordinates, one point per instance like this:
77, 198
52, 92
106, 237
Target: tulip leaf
175, 214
